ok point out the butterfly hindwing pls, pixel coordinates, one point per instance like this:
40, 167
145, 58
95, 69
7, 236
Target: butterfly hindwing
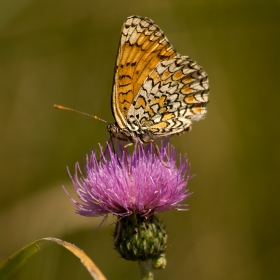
174, 94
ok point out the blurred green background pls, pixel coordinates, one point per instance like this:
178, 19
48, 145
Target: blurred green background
64, 52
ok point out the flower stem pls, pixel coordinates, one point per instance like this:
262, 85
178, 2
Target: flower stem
146, 270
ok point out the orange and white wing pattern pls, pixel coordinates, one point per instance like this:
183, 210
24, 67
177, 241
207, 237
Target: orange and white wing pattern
156, 91
142, 47
173, 96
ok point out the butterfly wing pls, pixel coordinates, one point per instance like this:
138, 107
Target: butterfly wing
173, 96
142, 47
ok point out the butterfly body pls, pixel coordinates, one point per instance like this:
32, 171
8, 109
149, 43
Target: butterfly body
156, 92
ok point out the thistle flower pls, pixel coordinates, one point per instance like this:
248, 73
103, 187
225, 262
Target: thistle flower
134, 187
139, 183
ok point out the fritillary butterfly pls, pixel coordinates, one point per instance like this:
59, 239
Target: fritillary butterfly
156, 92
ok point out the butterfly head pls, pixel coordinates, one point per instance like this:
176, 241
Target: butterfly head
121, 133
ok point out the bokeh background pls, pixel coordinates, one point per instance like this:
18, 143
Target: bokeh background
64, 52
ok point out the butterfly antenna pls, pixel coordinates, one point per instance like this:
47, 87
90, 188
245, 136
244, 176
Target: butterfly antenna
79, 112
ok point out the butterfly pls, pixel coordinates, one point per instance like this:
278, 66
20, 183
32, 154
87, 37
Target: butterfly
156, 91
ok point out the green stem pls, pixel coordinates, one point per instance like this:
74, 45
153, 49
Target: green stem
146, 270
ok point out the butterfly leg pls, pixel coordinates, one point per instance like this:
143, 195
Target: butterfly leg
157, 152
103, 155
125, 155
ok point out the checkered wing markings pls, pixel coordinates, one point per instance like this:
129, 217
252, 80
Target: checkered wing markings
142, 46
173, 96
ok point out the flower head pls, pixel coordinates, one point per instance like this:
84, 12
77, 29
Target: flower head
145, 182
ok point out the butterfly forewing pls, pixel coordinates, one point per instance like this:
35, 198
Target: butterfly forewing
142, 47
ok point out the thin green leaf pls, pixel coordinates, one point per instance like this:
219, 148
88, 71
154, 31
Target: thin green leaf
11, 265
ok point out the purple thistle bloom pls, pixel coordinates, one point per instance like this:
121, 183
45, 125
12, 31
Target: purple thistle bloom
139, 183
